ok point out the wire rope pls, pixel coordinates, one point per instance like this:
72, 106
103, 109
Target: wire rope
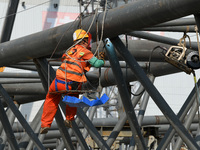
25, 10
78, 40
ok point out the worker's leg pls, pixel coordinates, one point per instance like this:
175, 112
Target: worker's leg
51, 104
49, 109
71, 111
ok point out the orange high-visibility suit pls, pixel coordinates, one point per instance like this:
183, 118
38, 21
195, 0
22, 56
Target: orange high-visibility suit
71, 70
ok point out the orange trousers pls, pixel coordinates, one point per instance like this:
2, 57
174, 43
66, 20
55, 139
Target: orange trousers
51, 104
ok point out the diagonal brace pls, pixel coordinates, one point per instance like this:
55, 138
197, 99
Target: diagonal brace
153, 92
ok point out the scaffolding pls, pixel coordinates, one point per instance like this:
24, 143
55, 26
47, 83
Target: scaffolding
131, 66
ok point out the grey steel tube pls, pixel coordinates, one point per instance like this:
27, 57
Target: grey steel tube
120, 123
21, 119
9, 20
25, 138
141, 50
144, 103
11, 115
77, 120
12, 81
25, 67
181, 114
171, 29
119, 20
92, 130
92, 111
79, 136
24, 89
42, 62
18, 75
8, 130
178, 22
124, 94
156, 96
106, 79
188, 122
162, 39
110, 122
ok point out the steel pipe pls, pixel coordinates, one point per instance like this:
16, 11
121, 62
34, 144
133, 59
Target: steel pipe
171, 29
9, 20
124, 94
157, 69
119, 20
156, 96
8, 130
178, 22
21, 119
162, 39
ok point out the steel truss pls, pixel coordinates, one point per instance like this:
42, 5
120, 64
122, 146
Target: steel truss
125, 122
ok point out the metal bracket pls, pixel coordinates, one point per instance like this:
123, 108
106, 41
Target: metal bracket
176, 56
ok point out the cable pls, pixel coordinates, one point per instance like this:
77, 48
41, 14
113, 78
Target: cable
81, 38
76, 41
25, 10
148, 70
134, 94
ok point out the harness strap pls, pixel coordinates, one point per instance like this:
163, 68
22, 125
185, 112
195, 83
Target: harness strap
62, 82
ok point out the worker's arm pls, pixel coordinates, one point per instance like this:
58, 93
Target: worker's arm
96, 62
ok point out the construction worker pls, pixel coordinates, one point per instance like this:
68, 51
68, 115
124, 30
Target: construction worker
75, 63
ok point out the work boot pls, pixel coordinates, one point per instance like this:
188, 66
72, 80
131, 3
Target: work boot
68, 123
44, 130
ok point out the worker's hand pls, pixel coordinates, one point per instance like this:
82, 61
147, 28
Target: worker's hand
101, 55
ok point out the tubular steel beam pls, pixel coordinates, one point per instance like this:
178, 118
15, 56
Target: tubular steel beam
42, 64
9, 20
124, 94
92, 130
18, 75
21, 119
119, 20
79, 136
178, 22
156, 96
11, 119
24, 141
171, 29
24, 67
188, 122
77, 120
91, 111
110, 122
197, 19
120, 123
144, 103
8, 130
181, 114
43, 76
162, 39
157, 69
13, 81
